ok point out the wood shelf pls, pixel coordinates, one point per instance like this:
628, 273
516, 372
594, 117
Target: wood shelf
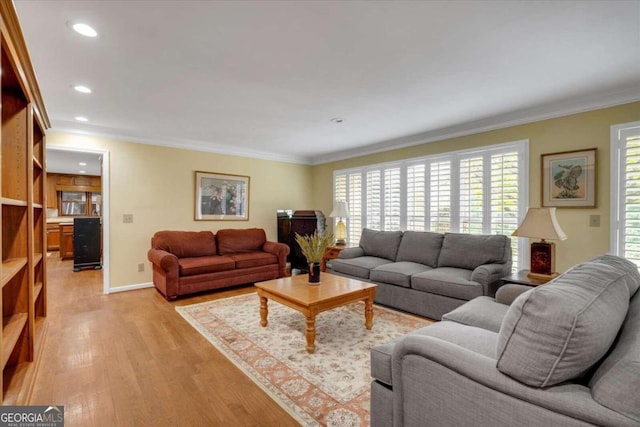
13, 202
12, 328
10, 268
23, 222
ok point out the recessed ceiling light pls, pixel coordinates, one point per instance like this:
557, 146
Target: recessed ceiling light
84, 29
82, 164
82, 89
82, 119
337, 120
82, 171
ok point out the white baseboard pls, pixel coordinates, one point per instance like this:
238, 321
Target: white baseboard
131, 287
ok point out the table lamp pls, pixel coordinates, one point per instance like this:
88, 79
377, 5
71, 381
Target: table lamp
541, 223
340, 211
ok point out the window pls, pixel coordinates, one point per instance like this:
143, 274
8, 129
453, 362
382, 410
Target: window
625, 191
481, 191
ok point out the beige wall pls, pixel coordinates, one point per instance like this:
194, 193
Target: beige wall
156, 185
579, 131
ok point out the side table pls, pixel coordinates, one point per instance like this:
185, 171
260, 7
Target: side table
521, 278
332, 252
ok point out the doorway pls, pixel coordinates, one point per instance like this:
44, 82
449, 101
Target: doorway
76, 170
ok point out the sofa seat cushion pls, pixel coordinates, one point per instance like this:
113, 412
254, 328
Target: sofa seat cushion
253, 259
205, 264
358, 267
469, 251
422, 247
185, 244
397, 273
481, 312
447, 281
558, 331
476, 339
381, 244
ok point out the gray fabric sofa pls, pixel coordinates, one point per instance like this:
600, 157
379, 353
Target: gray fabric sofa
426, 273
563, 354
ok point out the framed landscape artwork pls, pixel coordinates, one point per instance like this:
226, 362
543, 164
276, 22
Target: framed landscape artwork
569, 179
220, 197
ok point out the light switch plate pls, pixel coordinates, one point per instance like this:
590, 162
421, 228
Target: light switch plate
127, 218
594, 220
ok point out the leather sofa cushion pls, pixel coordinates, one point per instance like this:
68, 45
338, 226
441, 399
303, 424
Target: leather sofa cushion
449, 282
205, 264
232, 241
397, 273
381, 244
470, 251
253, 259
558, 331
185, 244
421, 247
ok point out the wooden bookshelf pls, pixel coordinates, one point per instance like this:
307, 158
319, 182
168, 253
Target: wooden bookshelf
23, 221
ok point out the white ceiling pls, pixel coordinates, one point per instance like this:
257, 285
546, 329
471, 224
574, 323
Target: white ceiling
264, 78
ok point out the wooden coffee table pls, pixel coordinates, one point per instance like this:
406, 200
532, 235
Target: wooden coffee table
333, 291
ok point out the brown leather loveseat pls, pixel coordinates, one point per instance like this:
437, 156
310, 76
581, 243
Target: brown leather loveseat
185, 262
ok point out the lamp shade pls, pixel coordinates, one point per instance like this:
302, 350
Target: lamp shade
340, 210
540, 223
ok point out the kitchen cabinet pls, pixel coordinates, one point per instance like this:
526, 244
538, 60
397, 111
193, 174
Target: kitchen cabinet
53, 237
66, 241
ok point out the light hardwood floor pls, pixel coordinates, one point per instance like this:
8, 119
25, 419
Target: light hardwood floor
128, 359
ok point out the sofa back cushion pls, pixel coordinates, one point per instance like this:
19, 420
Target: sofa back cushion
381, 244
472, 250
557, 331
185, 244
234, 241
420, 247
617, 381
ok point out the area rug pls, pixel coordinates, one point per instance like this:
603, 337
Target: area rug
328, 388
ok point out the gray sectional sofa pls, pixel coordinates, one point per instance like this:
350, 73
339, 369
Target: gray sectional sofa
563, 354
426, 273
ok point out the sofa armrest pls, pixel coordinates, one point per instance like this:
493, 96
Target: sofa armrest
447, 384
163, 259
348, 253
508, 293
487, 274
281, 251
166, 272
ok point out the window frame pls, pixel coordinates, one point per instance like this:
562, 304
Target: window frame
521, 147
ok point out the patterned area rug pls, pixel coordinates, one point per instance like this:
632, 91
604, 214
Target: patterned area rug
328, 388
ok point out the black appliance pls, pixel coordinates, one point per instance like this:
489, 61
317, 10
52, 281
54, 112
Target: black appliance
87, 244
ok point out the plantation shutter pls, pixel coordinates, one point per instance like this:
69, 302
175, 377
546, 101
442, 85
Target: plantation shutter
505, 197
625, 217
472, 195
354, 198
392, 195
440, 197
374, 199
416, 205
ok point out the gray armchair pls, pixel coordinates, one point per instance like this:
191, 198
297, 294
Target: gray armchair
563, 354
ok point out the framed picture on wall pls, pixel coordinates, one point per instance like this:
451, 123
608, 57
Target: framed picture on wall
220, 197
569, 179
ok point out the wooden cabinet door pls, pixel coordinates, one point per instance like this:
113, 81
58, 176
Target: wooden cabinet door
52, 195
66, 241
53, 237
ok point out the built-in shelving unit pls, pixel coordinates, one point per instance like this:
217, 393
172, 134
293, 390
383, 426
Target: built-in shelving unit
22, 183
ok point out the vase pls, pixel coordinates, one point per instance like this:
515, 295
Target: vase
314, 273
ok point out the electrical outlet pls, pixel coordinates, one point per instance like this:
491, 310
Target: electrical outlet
140, 267
594, 220
127, 218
